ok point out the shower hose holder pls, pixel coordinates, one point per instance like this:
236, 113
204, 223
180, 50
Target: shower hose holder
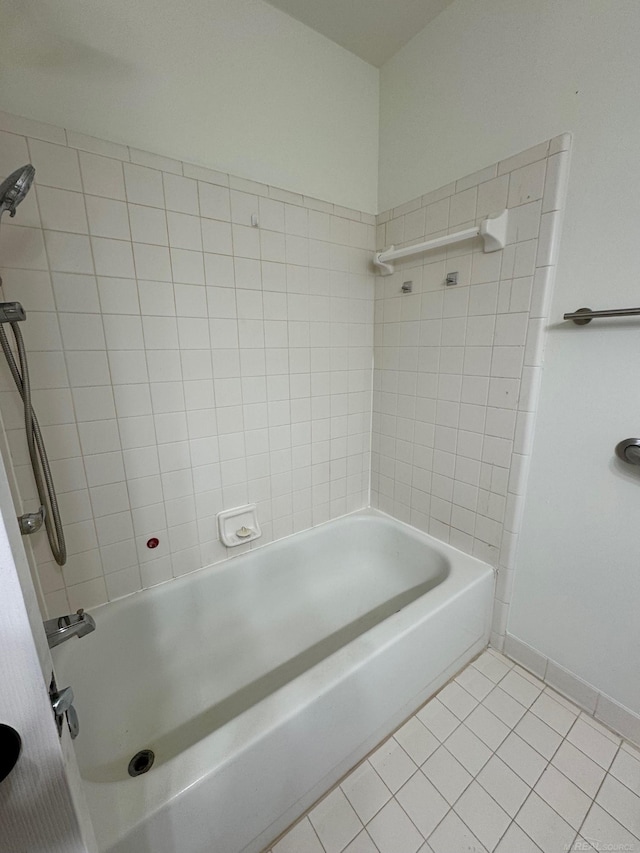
31, 522
11, 312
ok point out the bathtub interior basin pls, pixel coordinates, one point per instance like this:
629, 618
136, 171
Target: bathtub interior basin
225, 639
219, 671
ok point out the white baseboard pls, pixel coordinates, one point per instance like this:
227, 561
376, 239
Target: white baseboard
603, 708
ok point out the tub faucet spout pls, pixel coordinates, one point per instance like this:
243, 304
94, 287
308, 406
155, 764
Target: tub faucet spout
64, 627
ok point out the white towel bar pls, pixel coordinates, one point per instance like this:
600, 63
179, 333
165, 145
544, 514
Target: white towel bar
493, 230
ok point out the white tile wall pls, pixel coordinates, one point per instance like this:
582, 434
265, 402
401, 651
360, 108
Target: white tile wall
183, 360
457, 368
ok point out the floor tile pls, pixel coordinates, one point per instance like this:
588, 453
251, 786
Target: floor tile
520, 688
416, 740
533, 679
563, 796
487, 727
493, 666
422, 802
592, 742
475, 683
621, 803
562, 700
515, 840
361, 844
626, 768
366, 791
559, 717
522, 759
447, 774
468, 749
496, 763
457, 700
605, 833
393, 764
482, 815
335, 822
541, 823
600, 727
634, 751
505, 786
300, 839
492, 651
538, 734
504, 706
453, 836
393, 832
438, 719
579, 768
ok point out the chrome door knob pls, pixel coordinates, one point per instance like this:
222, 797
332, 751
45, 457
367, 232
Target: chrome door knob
629, 451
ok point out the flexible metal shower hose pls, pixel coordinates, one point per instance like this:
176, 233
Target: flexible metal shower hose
35, 443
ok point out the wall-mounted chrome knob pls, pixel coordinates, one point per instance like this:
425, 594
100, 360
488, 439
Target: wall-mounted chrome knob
629, 451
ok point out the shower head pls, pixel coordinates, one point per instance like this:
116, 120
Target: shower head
14, 188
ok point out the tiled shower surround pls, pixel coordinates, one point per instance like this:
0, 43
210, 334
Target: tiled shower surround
183, 359
457, 368
186, 360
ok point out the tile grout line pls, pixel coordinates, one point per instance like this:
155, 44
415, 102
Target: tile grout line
593, 800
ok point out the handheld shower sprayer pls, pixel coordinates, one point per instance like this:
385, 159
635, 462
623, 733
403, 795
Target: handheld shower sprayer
14, 188
12, 191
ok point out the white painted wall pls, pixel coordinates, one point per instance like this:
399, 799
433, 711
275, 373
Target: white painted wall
483, 81
234, 85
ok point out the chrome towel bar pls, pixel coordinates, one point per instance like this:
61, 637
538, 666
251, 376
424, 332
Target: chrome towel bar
585, 315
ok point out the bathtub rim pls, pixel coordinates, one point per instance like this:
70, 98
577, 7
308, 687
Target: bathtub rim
227, 564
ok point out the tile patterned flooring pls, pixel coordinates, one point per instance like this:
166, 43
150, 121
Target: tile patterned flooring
496, 761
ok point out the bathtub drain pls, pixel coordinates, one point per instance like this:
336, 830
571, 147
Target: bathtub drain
141, 762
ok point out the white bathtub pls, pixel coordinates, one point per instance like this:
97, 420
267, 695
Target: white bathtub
260, 682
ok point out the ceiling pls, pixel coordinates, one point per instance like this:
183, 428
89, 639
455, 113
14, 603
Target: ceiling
372, 29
